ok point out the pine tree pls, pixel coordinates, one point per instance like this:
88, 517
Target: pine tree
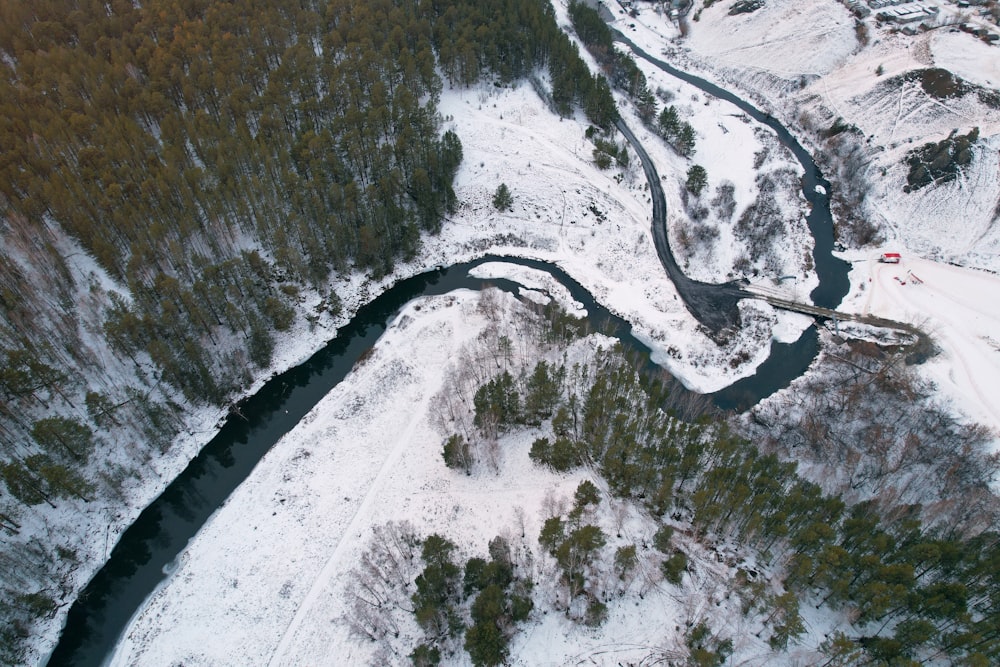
669, 121
542, 392
697, 179
503, 200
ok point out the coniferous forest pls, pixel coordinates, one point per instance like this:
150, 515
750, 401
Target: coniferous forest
211, 160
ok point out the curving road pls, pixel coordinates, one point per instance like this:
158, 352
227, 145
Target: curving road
713, 305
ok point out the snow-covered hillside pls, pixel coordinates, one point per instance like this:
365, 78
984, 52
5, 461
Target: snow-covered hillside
808, 64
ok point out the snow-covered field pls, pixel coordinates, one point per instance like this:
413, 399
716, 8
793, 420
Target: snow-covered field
262, 581
958, 308
596, 224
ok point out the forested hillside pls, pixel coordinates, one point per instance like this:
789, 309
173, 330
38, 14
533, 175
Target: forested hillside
908, 592
208, 163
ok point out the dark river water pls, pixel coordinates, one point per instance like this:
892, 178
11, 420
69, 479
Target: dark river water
139, 560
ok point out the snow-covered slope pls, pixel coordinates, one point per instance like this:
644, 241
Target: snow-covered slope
789, 39
596, 224
809, 65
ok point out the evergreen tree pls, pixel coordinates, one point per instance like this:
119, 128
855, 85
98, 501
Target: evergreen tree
684, 143
497, 404
576, 554
669, 121
66, 439
553, 534
457, 453
673, 567
425, 656
542, 392
697, 179
437, 590
503, 200
625, 560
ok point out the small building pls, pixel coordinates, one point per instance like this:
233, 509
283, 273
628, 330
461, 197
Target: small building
910, 17
890, 258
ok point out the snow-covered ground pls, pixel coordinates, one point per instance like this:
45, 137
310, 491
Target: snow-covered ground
263, 578
264, 581
805, 64
958, 307
972, 59
383, 463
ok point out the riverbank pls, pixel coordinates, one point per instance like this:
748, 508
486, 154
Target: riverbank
263, 582
266, 580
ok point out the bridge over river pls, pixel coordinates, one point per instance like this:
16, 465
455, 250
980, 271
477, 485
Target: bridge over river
785, 301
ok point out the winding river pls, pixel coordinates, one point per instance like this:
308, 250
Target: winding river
145, 553
147, 549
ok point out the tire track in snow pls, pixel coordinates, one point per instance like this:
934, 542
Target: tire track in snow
360, 516
982, 179
899, 114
